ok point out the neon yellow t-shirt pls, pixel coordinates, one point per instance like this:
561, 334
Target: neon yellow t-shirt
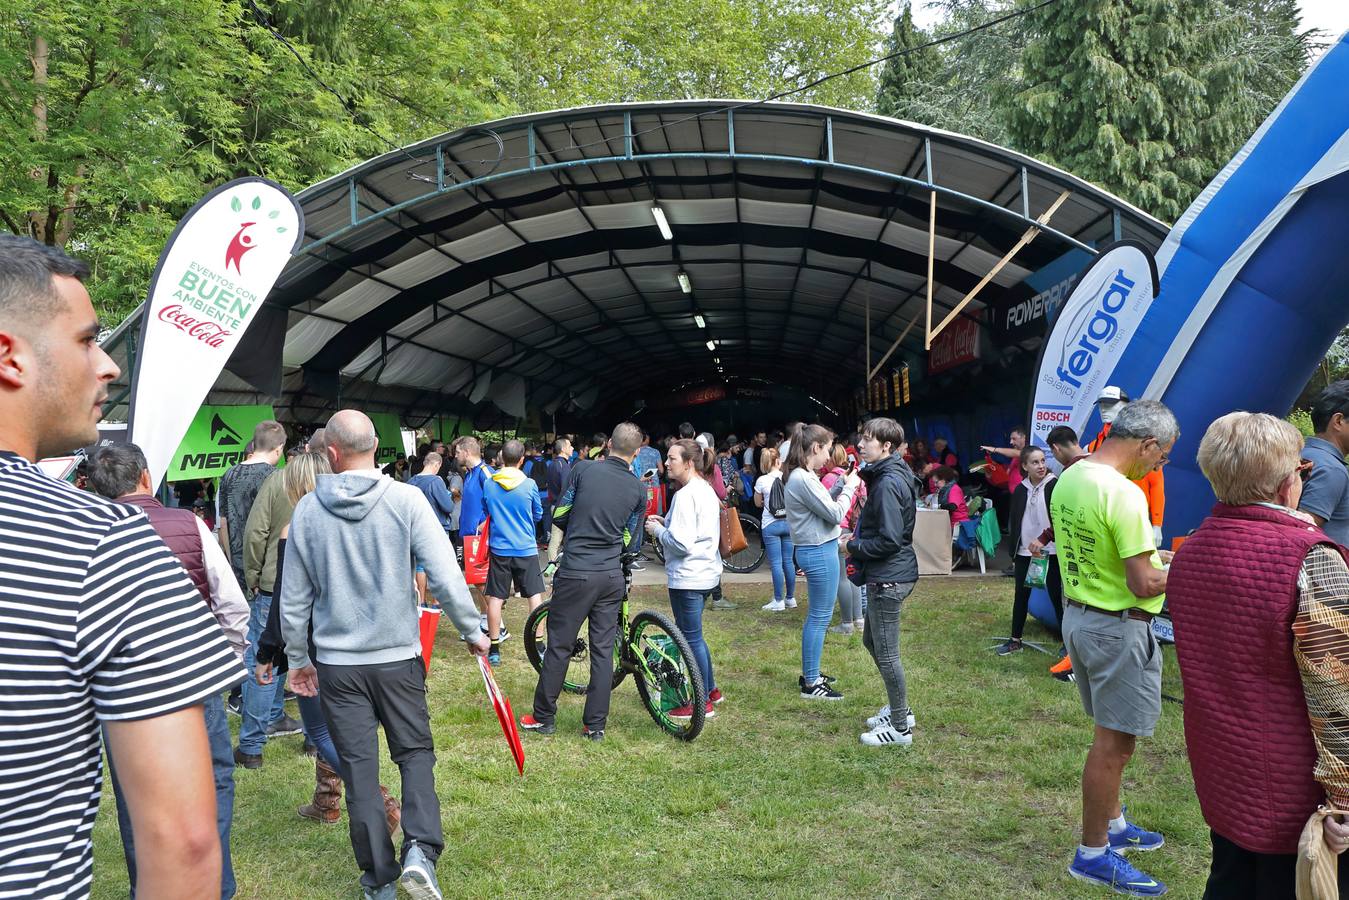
1101, 519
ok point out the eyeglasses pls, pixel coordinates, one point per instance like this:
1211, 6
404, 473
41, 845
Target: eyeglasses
1304, 469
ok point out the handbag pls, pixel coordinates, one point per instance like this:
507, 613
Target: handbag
1317, 866
732, 535
476, 556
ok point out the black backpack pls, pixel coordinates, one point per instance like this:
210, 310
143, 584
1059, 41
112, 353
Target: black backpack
777, 500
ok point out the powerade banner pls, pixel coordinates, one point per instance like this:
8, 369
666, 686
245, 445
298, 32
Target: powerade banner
390, 437
1089, 335
215, 440
1030, 317
212, 277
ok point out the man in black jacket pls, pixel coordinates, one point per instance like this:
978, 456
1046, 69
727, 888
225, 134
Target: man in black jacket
881, 549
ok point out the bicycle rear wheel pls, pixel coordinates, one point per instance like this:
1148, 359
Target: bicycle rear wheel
667, 675
577, 679
752, 556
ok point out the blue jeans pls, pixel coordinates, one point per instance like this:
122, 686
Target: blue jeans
777, 543
222, 765
316, 729
820, 563
688, 615
263, 703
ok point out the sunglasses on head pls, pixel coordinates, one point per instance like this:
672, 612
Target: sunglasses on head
1304, 469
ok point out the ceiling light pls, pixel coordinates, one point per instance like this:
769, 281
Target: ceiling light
699, 321
662, 223
711, 345
716, 360
684, 284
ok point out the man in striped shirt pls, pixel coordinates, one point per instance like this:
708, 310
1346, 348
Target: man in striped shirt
99, 624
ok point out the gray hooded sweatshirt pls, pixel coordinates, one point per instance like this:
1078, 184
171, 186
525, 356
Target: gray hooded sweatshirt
354, 542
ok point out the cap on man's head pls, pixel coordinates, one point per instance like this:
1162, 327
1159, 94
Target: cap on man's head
1112, 394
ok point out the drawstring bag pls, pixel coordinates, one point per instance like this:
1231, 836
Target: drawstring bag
1317, 865
476, 556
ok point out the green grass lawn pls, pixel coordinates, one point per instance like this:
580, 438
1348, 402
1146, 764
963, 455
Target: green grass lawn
776, 798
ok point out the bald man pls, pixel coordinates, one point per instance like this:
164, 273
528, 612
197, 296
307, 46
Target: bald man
354, 542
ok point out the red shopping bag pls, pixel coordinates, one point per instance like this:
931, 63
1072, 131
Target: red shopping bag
476, 556
427, 624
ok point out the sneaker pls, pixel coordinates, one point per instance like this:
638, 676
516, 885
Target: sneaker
883, 719
636, 567
384, 892
1013, 645
419, 874
494, 657
774, 606
1133, 838
828, 679
716, 696
529, 723
597, 735
283, 726
235, 705
1116, 873
1067, 677
1063, 665
820, 690
686, 711
790, 603
888, 737
841, 628
723, 603
505, 635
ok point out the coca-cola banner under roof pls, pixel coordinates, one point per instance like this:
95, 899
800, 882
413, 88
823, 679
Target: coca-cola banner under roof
212, 277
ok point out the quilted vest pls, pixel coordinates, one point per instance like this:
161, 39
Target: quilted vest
178, 529
1233, 596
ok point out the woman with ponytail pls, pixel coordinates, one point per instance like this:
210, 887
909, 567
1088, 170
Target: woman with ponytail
813, 518
690, 534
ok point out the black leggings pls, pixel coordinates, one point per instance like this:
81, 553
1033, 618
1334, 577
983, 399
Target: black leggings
1021, 602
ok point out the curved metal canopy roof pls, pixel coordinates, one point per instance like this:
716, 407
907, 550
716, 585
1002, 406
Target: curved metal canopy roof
520, 261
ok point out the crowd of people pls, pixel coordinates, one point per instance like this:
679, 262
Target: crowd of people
124, 623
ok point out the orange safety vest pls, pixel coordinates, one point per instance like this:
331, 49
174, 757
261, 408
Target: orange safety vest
1153, 484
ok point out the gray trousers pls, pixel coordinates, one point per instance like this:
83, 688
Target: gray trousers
356, 701
849, 594
881, 638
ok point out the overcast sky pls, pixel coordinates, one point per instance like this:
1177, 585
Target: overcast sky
1331, 16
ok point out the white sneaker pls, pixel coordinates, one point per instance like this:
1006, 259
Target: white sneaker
882, 719
774, 606
888, 737
790, 603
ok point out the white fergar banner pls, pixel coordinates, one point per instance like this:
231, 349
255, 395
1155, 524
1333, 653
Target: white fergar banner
1089, 335
212, 277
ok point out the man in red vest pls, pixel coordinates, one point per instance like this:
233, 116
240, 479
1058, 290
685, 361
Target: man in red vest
120, 473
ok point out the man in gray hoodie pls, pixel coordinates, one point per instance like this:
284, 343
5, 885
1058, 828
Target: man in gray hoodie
349, 573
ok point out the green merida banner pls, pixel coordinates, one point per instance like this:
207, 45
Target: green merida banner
390, 437
215, 441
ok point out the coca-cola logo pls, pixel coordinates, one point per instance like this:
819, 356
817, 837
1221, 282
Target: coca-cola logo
209, 333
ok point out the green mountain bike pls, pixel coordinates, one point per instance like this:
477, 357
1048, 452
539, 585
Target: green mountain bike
650, 648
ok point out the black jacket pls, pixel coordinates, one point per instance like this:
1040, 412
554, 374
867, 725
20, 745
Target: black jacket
601, 514
882, 543
1019, 498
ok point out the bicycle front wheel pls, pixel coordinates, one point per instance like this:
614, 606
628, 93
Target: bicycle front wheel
668, 677
752, 556
577, 678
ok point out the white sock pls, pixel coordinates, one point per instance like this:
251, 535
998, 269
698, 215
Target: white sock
1118, 825
1091, 852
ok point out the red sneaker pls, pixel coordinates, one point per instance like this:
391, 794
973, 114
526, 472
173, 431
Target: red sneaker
716, 696
686, 711
529, 723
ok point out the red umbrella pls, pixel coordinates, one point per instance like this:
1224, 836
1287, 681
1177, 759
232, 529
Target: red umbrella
504, 713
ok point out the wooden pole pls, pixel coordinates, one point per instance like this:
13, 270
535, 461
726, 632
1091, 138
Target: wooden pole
1030, 235
902, 335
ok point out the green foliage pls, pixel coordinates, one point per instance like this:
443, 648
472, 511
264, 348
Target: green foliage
116, 116
904, 79
1149, 98
1302, 420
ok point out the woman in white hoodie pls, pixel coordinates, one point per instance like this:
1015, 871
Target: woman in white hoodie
690, 533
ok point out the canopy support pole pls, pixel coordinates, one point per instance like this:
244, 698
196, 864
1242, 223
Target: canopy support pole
1030, 235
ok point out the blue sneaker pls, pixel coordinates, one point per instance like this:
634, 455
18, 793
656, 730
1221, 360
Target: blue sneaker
1135, 838
494, 657
419, 875
1116, 873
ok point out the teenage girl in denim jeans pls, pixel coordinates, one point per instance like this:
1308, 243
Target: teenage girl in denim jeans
813, 517
777, 538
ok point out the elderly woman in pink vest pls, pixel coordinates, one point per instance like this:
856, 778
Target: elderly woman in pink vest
1260, 600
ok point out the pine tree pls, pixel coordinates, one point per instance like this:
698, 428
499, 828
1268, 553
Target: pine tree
904, 78
1143, 97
